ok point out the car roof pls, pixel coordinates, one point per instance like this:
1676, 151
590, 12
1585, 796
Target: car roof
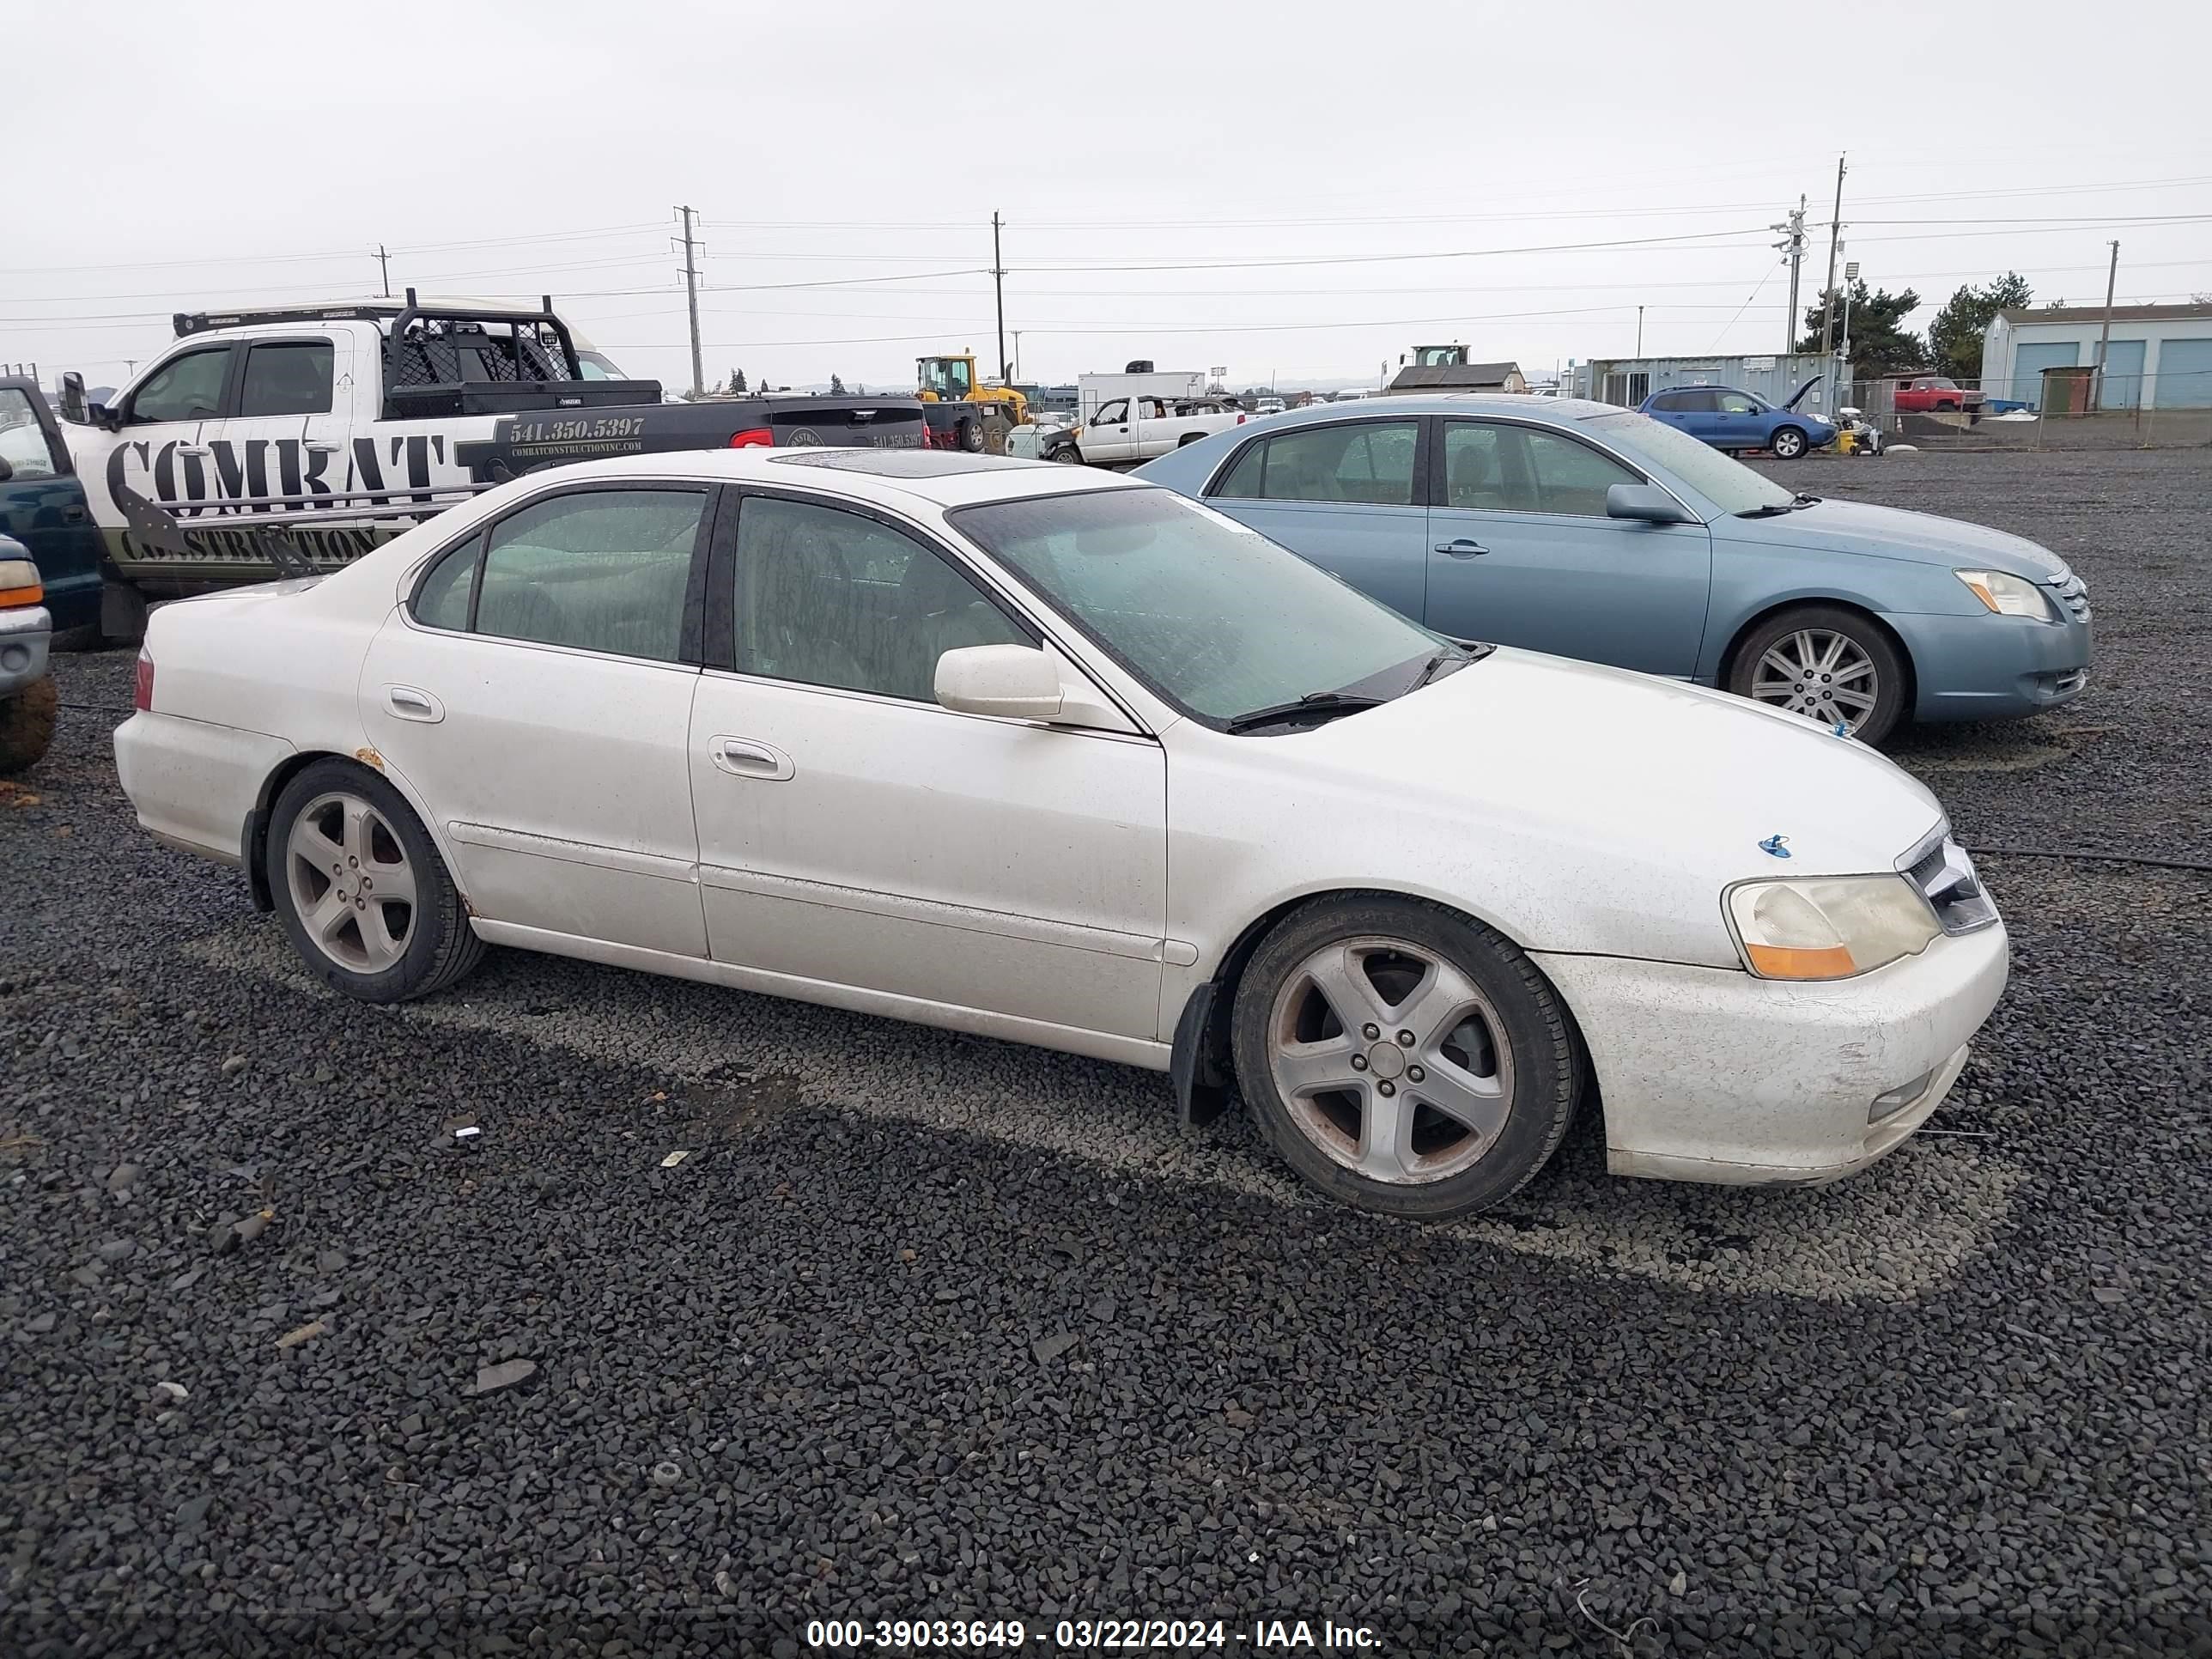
892, 477
1376, 406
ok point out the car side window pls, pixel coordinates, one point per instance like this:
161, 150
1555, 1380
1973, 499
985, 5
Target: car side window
185, 388
1242, 482
443, 597
1669, 401
1111, 414
287, 377
1735, 403
1370, 462
825, 597
1571, 478
23, 443
599, 570
1485, 468
1697, 403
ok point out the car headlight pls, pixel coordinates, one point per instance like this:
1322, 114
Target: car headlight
2007, 594
1828, 927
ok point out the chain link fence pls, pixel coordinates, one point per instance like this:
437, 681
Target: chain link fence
2071, 408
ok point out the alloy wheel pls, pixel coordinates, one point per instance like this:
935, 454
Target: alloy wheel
1823, 675
350, 883
1390, 1060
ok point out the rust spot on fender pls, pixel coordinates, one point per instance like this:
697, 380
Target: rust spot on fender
369, 757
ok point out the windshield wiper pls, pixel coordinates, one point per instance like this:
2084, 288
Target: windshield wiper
1767, 510
1325, 705
1450, 653
1800, 499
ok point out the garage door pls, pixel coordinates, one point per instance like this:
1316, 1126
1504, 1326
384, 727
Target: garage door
2184, 375
2028, 362
2123, 386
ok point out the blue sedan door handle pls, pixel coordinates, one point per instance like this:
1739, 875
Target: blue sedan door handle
1462, 548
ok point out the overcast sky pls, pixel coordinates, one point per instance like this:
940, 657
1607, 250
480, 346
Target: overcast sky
845, 159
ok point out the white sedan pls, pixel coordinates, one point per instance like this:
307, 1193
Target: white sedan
1064, 758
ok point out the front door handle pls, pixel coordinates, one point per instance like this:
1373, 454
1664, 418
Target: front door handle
1460, 547
198, 452
746, 758
410, 703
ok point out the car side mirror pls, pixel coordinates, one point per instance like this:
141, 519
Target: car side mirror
1646, 503
73, 396
1014, 682
6, 470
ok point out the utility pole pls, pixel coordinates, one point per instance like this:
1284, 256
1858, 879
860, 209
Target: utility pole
691, 294
999, 287
2105, 338
1835, 230
1639, 331
1844, 343
1792, 247
1018, 355
383, 261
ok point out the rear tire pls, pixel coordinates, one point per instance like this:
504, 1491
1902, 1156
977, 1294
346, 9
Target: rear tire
1460, 1096
27, 725
1788, 443
366, 944
971, 437
1800, 640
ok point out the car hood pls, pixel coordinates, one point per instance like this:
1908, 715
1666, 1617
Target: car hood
1648, 795
1802, 389
1893, 532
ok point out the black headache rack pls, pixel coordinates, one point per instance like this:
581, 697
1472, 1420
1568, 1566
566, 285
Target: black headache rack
446, 362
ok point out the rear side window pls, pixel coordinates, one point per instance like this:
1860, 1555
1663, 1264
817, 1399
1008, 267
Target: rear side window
442, 600
23, 443
1370, 462
599, 570
287, 377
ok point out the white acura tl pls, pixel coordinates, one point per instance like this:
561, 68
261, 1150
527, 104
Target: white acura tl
1064, 758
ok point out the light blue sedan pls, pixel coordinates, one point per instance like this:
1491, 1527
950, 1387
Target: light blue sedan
1589, 531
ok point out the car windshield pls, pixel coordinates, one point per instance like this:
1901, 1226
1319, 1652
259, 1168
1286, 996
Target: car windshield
1673, 454
1214, 617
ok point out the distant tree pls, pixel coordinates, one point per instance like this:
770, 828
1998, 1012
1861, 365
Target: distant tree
738, 381
836, 385
1880, 344
1954, 339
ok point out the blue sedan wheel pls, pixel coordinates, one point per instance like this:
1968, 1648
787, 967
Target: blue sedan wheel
1827, 664
1788, 443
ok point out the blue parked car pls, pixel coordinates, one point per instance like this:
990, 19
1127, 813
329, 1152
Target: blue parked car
1728, 419
1589, 531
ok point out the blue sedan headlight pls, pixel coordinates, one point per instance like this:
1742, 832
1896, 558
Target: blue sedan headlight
2008, 595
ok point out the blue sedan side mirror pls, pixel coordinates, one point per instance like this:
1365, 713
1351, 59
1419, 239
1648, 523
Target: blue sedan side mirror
1645, 502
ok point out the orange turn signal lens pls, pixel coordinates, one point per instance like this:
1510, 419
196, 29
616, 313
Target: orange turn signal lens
1786, 961
10, 597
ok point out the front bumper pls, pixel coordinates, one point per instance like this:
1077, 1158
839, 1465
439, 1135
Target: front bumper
1993, 668
26, 631
1712, 1075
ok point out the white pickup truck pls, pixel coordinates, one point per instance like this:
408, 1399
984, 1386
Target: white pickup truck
1125, 430
341, 424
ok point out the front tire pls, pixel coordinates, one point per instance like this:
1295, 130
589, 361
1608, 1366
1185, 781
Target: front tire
1461, 1094
27, 725
361, 890
1788, 443
1827, 664
1067, 455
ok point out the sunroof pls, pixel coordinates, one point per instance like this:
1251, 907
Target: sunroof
900, 462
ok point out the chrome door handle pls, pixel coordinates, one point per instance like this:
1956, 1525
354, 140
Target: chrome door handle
1462, 548
195, 450
744, 757
411, 704
321, 449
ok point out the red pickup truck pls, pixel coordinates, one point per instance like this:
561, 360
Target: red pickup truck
1925, 392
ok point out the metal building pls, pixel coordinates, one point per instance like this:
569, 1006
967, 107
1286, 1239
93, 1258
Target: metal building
2159, 356
1629, 380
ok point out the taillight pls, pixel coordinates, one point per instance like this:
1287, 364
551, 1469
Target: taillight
1240, 420
142, 687
753, 437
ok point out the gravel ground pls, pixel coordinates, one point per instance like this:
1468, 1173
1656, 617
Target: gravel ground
927, 1327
